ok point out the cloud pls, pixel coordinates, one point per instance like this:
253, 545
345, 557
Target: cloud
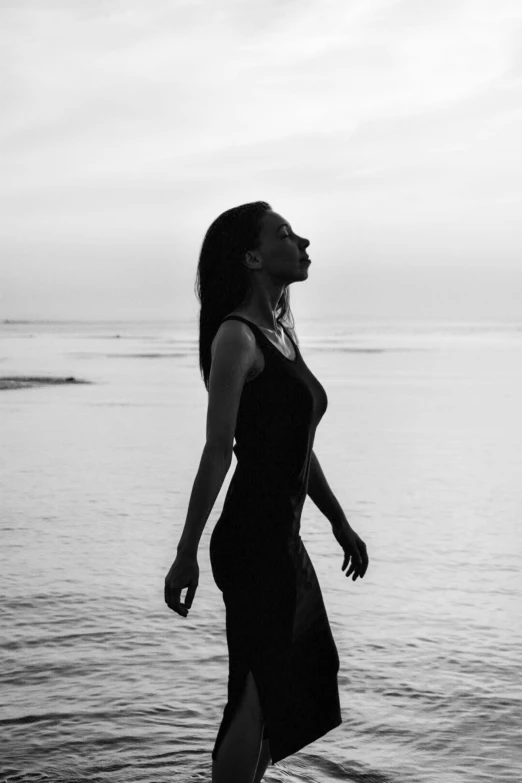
132, 125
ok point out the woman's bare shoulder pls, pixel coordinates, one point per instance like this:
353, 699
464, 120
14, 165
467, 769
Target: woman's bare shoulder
234, 333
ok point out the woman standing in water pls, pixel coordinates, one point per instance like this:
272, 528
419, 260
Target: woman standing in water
283, 662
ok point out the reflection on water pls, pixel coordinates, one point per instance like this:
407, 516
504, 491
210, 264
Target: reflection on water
422, 445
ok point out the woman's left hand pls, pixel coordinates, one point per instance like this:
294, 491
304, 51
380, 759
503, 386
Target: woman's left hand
354, 550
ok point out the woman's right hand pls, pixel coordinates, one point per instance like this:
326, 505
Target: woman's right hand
184, 572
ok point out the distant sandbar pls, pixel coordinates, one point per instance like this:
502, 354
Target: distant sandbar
26, 381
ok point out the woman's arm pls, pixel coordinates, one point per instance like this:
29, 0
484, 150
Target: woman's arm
323, 497
233, 356
355, 553
213, 468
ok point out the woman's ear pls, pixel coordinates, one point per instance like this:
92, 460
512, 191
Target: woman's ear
252, 261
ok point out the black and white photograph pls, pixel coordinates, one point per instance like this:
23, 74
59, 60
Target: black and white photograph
260, 391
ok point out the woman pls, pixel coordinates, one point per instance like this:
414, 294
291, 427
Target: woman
283, 662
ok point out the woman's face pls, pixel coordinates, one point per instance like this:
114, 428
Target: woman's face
282, 251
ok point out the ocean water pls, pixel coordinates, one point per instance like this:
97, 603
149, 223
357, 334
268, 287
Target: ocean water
421, 443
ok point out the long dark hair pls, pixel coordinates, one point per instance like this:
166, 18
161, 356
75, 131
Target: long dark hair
222, 280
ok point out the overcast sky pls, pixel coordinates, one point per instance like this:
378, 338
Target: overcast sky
386, 131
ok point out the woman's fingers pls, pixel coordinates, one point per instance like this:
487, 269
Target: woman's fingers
363, 556
354, 569
365, 560
357, 567
184, 574
351, 569
173, 600
357, 564
353, 565
191, 592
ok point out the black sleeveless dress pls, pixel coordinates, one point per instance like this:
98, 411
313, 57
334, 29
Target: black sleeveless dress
276, 621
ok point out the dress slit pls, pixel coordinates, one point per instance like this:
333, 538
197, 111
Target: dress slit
230, 711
